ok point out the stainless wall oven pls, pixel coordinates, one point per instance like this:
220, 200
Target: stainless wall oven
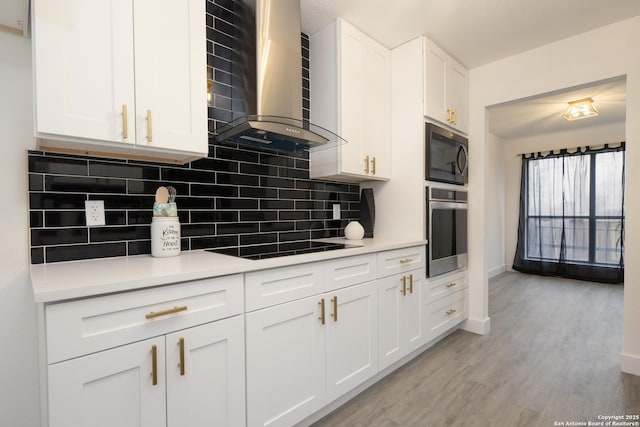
446, 156
447, 230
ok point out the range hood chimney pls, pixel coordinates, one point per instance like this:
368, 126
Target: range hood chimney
267, 80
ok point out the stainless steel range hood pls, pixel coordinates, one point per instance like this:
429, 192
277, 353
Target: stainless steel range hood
267, 80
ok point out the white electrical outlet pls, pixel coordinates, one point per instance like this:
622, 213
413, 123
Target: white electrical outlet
336, 211
94, 212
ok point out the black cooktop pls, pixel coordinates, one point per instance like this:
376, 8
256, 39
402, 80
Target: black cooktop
282, 249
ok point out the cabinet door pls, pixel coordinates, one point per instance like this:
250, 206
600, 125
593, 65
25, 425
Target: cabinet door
390, 299
83, 68
413, 332
110, 388
365, 89
376, 124
435, 82
352, 96
285, 363
205, 387
458, 89
400, 311
170, 64
351, 338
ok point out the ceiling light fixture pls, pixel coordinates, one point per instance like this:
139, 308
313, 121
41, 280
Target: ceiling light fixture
580, 109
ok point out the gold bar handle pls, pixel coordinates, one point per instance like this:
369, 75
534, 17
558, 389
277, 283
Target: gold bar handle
450, 113
404, 285
455, 116
154, 365
406, 260
149, 127
366, 164
321, 318
334, 300
181, 344
154, 314
450, 312
411, 283
451, 285
125, 122
373, 166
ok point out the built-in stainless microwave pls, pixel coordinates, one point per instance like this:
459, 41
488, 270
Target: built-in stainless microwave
446, 156
446, 230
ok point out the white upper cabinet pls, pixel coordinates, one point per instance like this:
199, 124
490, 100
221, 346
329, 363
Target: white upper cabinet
121, 78
351, 96
446, 92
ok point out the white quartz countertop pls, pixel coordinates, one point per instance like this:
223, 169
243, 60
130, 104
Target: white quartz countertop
79, 279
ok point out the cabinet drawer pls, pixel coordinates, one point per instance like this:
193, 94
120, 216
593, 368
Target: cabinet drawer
278, 285
350, 271
443, 286
445, 314
85, 326
400, 260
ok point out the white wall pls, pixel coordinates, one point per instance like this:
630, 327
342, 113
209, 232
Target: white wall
18, 346
604, 53
495, 198
551, 141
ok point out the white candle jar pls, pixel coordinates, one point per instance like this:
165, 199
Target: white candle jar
165, 236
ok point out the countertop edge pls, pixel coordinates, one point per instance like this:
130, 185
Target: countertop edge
50, 282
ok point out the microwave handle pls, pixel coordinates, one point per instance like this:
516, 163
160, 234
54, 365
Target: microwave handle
466, 160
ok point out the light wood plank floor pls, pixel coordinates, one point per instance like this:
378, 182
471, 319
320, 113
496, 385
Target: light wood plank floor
552, 356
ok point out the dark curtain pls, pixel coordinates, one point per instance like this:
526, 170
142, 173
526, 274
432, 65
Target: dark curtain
572, 215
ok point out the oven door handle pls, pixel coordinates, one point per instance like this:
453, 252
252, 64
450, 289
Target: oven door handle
466, 160
448, 205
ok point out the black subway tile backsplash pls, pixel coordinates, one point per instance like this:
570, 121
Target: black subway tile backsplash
58, 236
84, 184
36, 182
214, 190
64, 219
36, 219
57, 165
37, 255
213, 216
121, 170
110, 234
77, 252
139, 247
258, 215
237, 228
236, 200
39, 200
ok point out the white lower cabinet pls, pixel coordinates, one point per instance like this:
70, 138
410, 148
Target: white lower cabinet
205, 375
285, 363
167, 356
351, 338
444, 303
305, 353
400, 328
110, 388
129, 386
182, 354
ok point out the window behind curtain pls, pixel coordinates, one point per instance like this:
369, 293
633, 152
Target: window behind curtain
572, 215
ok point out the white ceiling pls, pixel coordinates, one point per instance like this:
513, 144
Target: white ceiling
481, 31
543, 114
474, 32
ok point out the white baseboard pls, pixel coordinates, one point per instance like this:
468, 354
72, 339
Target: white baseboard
630, 364
493, 272
477, 326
